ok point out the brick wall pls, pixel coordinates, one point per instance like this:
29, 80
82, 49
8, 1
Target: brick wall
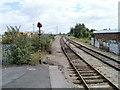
108, 36
108, 41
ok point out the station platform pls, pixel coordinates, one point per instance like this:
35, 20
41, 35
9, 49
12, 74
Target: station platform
57, 79
26, 77
41, 76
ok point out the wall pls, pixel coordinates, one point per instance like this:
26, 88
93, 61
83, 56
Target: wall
92, 41
114, 48
97, 44
108, 36
119, 16
107, 41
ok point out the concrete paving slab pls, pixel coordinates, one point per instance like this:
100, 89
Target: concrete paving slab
0, 77
57, 78
34, 77
11, 73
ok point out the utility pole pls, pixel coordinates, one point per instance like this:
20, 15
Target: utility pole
33, 28
56, 29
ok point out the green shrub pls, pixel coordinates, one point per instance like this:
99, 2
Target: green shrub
24, 49
45, 42
21, 50
36, 57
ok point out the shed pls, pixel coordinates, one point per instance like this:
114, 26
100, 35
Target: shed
108, 40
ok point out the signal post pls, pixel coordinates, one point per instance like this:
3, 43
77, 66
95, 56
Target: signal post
39, 25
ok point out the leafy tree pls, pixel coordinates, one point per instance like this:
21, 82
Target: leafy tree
80, 31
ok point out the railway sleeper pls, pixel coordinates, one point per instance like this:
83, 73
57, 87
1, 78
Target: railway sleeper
80, 64
72, 72
71, 54
92, 77
77, 81
70, 69
75, 78
89, 74
78, 61
95, 81
83, 69
73, 75
89, 71
101, 85
73, 57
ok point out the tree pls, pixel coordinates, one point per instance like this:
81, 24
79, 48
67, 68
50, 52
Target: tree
80, 31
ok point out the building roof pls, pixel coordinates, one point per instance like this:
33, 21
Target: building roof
107, 31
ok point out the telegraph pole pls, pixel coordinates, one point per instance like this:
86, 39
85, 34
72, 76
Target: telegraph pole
39, 25
56, 29
33, 28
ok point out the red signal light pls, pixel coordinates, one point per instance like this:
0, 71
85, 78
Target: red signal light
39, 25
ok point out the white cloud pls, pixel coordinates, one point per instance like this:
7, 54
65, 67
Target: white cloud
97, 14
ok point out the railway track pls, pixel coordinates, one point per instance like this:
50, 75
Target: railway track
88, 77
105, 59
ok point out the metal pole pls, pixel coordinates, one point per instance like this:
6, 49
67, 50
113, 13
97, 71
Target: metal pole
33, 28
56, 29
39, 46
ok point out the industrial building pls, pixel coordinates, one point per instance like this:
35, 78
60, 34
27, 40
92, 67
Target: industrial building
108, 40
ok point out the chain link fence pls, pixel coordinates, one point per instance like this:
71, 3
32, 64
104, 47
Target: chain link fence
5, 52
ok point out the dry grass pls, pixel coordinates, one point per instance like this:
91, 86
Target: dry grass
83, 40
36, 57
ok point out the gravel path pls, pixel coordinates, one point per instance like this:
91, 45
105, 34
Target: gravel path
58, 58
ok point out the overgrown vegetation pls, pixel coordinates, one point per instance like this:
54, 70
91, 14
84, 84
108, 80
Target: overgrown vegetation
83, 40
23, 47
10, 35
82, 32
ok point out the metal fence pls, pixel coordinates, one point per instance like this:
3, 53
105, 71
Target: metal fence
0, 53
5, 52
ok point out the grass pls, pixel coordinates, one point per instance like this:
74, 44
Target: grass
36, 57
83, 40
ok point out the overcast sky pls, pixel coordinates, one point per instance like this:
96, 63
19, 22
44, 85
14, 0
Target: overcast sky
58, 15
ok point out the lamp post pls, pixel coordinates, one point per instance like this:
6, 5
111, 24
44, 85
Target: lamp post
39, 25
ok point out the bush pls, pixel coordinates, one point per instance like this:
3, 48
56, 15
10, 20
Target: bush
35, 58
24, 49
45, 42
21, 50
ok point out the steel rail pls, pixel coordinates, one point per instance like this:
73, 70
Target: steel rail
96, 56
85, 84
83, 81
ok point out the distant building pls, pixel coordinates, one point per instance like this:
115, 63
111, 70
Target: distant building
29, 34
108, 40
